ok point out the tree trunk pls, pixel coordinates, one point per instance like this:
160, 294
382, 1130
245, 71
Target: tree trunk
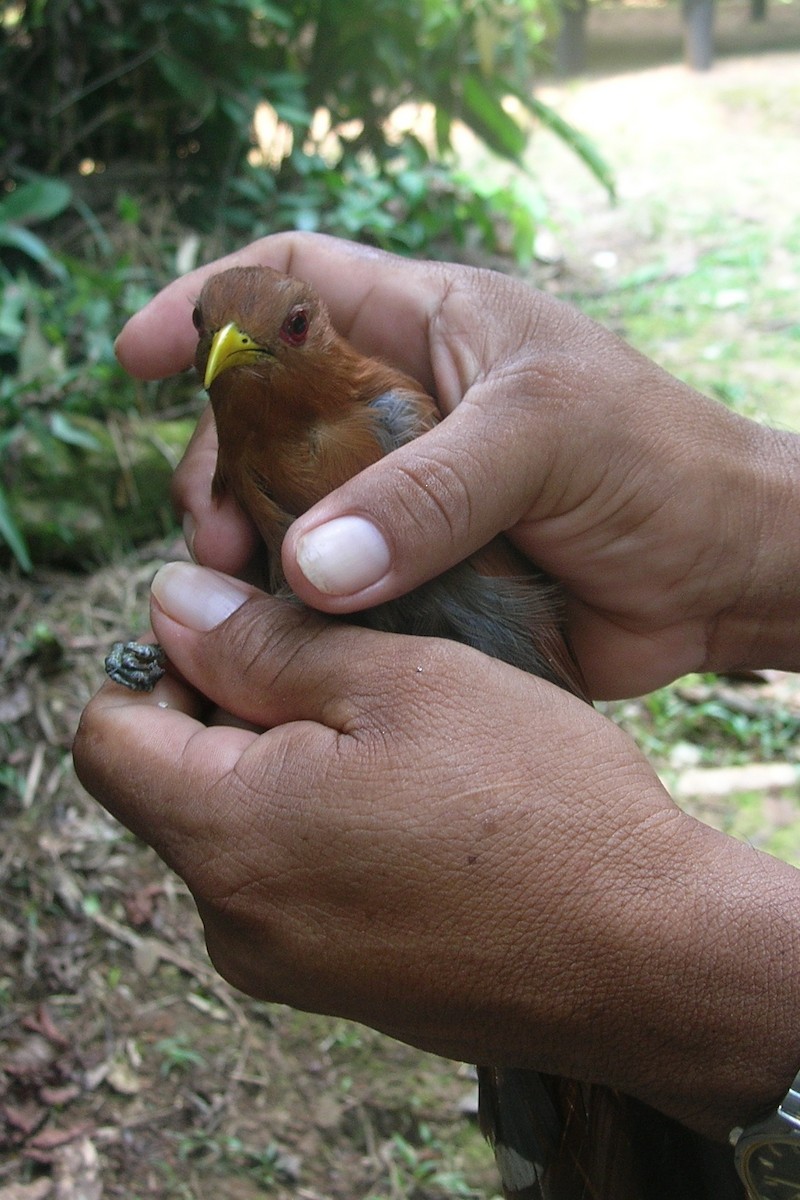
698, 29
571, 42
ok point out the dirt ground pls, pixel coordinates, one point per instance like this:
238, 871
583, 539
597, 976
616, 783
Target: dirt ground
127, 1069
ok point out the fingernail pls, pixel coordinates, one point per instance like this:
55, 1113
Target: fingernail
197, 597
343, 556
189, 532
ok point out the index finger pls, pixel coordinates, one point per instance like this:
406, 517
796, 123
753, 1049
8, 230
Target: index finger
381, 302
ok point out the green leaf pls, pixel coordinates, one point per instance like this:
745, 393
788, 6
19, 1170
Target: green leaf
39, 200
189, 83
489, 119
292, 114
443, 127
263, 11
578, 142
65, 431
129, 210
22, 239
11, 535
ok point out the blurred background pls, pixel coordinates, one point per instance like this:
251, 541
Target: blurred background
638, 159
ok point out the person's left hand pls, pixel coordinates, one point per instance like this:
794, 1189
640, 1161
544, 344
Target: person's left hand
427, 841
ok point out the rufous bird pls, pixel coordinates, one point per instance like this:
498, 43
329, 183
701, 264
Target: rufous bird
298, 412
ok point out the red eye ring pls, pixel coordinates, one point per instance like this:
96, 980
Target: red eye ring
294, 329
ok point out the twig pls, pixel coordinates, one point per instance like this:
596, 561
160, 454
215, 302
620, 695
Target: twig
124, 459
115, 73
9, 854
34, 774
205, 976
112, 1133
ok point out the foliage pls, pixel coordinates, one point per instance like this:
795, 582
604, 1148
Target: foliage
177, 1054
414, 1168
35, 200
237, 118
264, 1165
97, 86
724, 318
700, 713
59, 373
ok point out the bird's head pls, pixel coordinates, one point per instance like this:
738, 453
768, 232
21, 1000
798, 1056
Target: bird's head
258, 320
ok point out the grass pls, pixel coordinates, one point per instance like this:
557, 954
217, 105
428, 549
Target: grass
726, 321
715, 743
707, 716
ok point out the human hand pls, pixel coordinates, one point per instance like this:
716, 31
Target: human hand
671, 522
447, 849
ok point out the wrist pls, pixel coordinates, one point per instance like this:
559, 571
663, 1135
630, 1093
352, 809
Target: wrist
727, 1045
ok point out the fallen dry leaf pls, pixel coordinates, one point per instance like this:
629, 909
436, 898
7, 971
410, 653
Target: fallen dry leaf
40, 1189
43, 1144
24, 1118
43, 1023
76, 1172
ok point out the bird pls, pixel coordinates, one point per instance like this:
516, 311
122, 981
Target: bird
298, 412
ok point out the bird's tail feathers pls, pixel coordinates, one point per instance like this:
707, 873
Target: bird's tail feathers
556, 1139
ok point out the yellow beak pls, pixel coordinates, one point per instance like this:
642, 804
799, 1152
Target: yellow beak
230, 347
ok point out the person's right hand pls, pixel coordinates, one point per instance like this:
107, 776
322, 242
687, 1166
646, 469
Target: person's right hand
673, 523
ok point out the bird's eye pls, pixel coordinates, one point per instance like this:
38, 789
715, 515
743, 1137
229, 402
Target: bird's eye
295, 328
197, 318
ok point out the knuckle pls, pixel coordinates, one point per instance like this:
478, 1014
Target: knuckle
268, 637
281, 656
435, 492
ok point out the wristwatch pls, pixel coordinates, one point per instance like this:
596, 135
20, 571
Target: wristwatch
768, 1152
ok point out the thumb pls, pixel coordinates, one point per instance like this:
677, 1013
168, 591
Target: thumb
419, 510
